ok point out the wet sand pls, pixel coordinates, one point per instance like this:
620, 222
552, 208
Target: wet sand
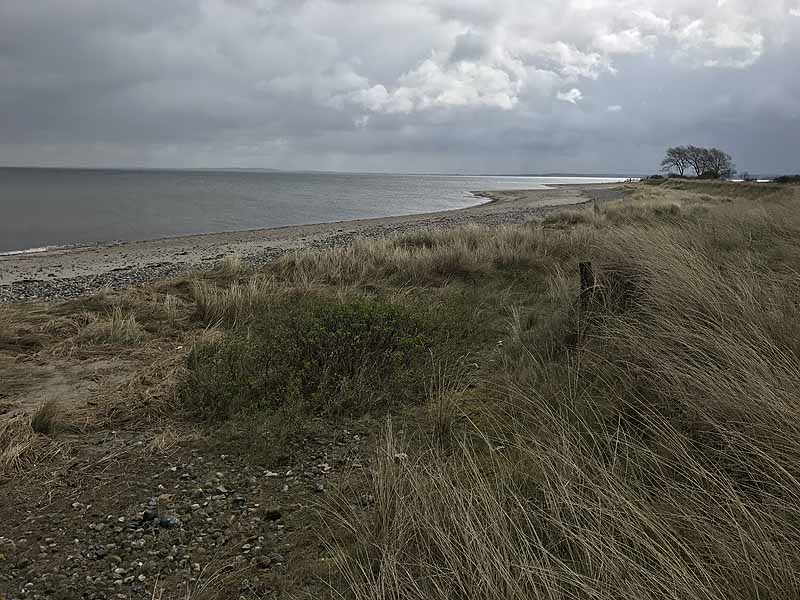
71, 272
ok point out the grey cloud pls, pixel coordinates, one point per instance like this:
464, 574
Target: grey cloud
428, 85
470, 46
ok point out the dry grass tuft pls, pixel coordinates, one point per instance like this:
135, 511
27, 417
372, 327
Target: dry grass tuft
232, 266
446, 394
147, 397
122, 328
17, 439
172, 308
168, 439
21, 448
118, 328
236, 303
216, 580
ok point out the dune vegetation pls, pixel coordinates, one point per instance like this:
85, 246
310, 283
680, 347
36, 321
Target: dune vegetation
636, 439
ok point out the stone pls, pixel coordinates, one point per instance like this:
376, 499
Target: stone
149, 515
261, 562
273, 514
169, 522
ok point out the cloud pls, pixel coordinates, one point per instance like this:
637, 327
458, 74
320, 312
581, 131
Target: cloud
572, 96
629, 41
469, 46
432, 86
720, 45
394, 84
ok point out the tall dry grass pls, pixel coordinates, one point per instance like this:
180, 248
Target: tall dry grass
434, 257
236, 303
643, 445
232, 265
120, 327
22, 447
17, 439
172, 308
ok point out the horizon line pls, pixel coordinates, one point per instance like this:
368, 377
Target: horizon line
604, 174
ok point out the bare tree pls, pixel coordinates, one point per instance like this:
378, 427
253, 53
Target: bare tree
698, 159
707, 163
719, 164
676, 158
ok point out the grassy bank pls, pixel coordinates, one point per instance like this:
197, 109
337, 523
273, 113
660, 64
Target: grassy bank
639, 440
641, 444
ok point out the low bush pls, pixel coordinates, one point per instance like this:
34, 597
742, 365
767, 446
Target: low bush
320, 356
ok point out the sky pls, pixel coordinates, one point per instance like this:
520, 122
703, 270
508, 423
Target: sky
434, 86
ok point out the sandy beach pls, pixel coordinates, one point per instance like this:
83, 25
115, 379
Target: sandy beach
72, 272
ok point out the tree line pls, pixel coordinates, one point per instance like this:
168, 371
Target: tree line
707, 163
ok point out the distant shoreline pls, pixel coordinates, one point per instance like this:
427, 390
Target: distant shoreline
79, 270
303, 171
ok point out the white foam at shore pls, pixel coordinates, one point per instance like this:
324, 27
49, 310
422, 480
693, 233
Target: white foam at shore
31, 250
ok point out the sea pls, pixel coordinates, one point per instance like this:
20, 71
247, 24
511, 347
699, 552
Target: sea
42, 208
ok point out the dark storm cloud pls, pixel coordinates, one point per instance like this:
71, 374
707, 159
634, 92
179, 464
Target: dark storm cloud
423, 85
469, 46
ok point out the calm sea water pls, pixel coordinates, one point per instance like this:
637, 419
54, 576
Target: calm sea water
52, 207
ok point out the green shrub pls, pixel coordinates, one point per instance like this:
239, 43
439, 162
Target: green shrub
317, 355
654, 179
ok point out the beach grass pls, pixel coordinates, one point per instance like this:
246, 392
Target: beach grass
641, 444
